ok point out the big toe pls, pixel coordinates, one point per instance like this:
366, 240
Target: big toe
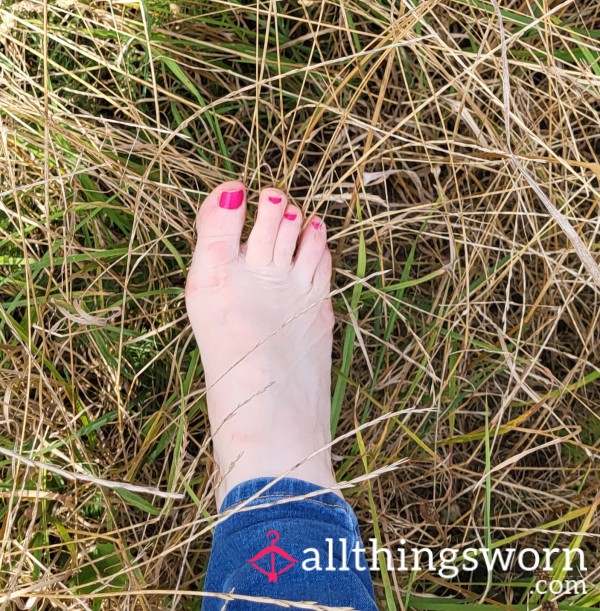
219, 223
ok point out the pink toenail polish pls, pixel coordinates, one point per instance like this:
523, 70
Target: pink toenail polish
274, 199
230, 200
316, 224
290, 216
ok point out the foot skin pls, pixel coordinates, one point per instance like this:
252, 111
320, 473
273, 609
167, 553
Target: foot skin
263, 320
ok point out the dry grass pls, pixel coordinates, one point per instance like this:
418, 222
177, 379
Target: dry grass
475, 324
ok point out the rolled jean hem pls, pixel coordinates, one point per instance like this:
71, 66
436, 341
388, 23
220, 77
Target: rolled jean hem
286, 520
269, 490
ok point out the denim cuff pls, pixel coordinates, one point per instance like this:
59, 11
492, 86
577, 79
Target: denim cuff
279, 490
308, 520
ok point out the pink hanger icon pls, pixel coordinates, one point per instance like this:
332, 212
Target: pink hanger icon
273, 551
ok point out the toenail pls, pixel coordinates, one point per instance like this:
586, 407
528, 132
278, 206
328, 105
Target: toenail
230, 200
274, 199
290, 216
316, 224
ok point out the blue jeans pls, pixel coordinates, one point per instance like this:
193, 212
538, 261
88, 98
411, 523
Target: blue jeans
294, 550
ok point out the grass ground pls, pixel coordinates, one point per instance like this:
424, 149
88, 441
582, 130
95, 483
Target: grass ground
453, 147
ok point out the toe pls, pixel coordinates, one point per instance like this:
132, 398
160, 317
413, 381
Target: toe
322, 277
261, 242
313, 243
219, 223
321, 288
287, 237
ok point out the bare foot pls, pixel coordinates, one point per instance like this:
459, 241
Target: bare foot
263, 321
